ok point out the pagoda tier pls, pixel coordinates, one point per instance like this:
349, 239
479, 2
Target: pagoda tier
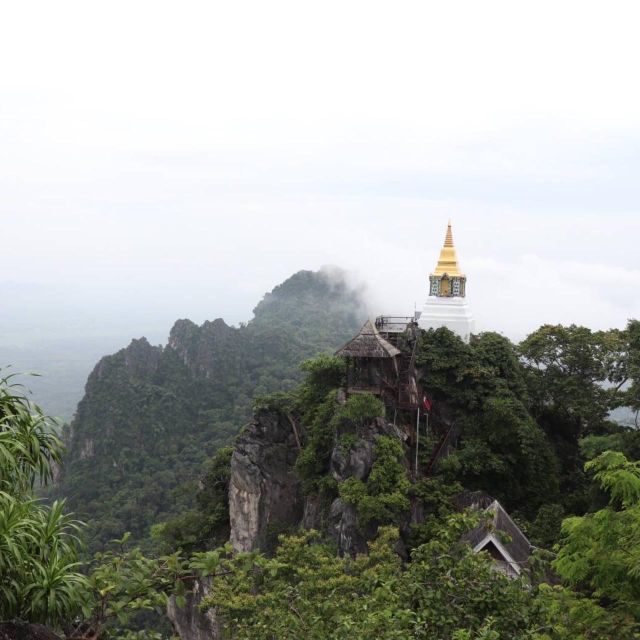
446, 305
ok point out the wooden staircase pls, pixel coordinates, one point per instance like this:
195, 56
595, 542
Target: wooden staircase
446, 441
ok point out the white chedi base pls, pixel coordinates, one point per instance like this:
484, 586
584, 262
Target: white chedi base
453, 313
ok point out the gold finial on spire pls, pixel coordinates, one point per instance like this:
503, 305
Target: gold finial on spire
448, 239
448, 262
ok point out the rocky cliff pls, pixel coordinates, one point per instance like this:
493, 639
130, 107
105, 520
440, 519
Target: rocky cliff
264, 491
152, 415
265, 498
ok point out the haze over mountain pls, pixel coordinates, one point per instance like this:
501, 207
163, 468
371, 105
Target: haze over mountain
128, 203
523, 271
151, 415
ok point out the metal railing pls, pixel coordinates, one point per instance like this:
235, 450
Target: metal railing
393, 324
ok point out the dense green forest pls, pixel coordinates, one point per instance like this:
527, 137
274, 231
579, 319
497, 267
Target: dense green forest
150, 460
152, 416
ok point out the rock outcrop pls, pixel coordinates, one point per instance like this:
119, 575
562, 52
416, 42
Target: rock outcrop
265, 498
189, 622
355, 462
205, 349
264, 491
149, 413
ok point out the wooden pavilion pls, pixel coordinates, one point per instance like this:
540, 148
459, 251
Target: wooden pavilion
376, 366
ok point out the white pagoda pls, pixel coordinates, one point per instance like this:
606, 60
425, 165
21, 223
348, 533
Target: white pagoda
446, 305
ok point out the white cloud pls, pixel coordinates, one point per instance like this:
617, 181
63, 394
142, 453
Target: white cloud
177, 160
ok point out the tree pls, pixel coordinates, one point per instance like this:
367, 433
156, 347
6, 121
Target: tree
633, 393
39, 544
504, 452
208, 524
383, 498
482, 388
305, 591
576, 372
600, 552
445, 591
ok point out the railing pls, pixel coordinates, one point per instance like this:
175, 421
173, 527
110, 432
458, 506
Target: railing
446, 441
393, 324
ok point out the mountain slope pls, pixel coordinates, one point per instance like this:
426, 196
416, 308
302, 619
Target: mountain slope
151, 415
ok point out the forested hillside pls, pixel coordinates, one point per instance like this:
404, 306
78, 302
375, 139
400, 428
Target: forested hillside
317, 524
533, 431
152, 415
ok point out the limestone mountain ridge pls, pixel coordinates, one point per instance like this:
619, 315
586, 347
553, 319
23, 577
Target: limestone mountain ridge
151, 415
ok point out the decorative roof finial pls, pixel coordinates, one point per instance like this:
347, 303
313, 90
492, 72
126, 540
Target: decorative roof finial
448, 240
448, 262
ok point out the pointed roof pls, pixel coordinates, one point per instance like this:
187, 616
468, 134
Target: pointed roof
448, 261
516, 550
368, 343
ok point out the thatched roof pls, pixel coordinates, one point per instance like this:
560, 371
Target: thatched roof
368, 344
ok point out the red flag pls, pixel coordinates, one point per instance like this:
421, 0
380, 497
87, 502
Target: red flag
426, 404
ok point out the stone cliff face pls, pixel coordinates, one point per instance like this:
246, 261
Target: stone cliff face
265, 494
139, 360
189, 622
343, 526
265, 497
264, 491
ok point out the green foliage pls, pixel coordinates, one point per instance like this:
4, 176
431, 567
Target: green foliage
448, 369
39, 578
437, 499
575, 377
313, 461
321, 375
567, 615
124, 584
482, 388
464, 375
632, 398
577, 371
151, 417
544, 531
625, 441
383, 497
359, 410
505, 453
208, 524
601, 551
347, 441
280, 401
445, 592
328, 419
28, 445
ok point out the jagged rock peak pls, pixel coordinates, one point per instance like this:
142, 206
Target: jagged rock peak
140, 358
184, 331
200, 347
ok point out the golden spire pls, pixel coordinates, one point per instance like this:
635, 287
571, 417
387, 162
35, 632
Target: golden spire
448, 262
448, 239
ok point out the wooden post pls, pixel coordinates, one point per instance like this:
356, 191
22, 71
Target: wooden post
417, 440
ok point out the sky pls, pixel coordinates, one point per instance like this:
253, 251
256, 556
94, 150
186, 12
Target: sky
165, 160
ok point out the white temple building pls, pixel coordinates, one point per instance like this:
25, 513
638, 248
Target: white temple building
446, 305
